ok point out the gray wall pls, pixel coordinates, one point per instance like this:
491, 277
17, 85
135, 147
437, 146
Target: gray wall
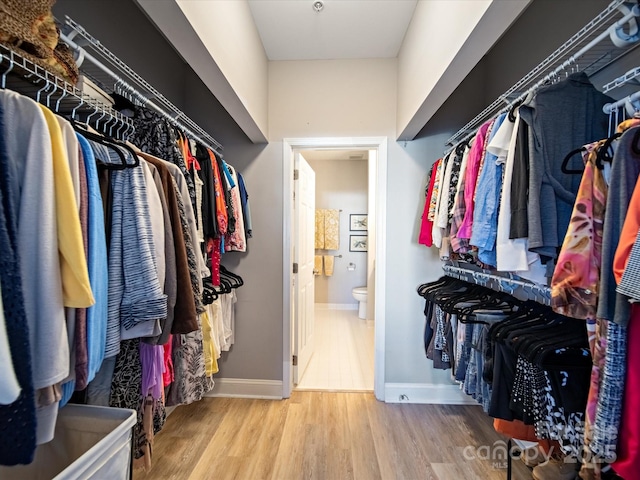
342, 184
258, 350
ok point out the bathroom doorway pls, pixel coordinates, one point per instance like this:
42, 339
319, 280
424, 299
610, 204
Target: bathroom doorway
344, 327
350, 350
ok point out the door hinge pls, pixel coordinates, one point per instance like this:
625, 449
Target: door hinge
296, 174
295, 268
295, 360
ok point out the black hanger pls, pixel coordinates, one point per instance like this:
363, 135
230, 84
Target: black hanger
236, 280
136, 159
605, 152
209, 295
102, 141
512, 111
565, 162
112, 143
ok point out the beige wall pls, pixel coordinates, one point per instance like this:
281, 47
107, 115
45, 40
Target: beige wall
342, 184
327, 98
221, 43
352, 98
227, 30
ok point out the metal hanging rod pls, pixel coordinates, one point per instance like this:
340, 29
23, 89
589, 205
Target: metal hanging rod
585, 46
624, 102
622, 80
20, 74
503, 283
102, 65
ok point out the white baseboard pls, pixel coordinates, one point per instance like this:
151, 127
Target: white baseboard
426, 393
246, 388
337, 306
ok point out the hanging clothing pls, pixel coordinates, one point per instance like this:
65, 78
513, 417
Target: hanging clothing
237, 240
626, 263
184, 320
169, 255
151, 328
519, 224
190, 219
443, 189
221, 200
574, 286
485, 217
625, 170
97, 264
512, 254
155, 136
17, 445
551, 192
471, 178
135, 294
426, 225
246, 207
9, 386
627, 461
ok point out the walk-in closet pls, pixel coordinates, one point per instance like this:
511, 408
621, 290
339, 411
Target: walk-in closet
160, 257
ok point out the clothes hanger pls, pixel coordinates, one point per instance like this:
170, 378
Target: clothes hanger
236, 279
105, 163
605, 152
112, 143
512, 111
572, 171
425, 288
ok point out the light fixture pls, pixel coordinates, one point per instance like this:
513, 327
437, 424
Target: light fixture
318, 5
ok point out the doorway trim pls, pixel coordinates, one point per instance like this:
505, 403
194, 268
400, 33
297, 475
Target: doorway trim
288, 147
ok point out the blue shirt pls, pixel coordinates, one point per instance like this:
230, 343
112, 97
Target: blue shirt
485, 216
97, 263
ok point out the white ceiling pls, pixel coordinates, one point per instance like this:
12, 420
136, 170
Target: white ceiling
293, 30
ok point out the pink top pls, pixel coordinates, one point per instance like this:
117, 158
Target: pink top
470, 178
427, 225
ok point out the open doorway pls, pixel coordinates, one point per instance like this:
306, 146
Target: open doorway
343, 348
368, 259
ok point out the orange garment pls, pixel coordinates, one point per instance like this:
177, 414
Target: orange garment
221, 206
190, 160
628, 234
515, 429
521, 431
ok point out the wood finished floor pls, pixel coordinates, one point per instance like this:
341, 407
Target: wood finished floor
324, 436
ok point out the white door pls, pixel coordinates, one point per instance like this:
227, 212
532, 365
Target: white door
304, 251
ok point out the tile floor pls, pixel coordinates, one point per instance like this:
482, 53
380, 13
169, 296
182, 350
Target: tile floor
343, 355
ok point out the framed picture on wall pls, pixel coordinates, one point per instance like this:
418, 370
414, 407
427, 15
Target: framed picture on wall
357, 222
357, 243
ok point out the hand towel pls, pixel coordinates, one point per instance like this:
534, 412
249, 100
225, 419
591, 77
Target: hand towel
332, 229
328, 265
320, 228
317, 265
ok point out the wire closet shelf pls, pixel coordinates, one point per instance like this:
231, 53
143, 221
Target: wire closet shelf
114, 76
502, 282
20, 74
585, 51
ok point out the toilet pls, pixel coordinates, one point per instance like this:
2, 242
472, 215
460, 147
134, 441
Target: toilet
360, 294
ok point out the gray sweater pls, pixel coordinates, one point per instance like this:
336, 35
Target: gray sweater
625, 169
561, 117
